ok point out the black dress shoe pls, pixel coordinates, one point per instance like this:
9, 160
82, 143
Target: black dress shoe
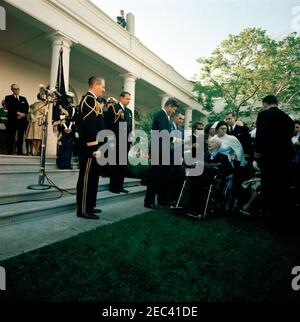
151, 206
164, 206
96, 211
88, 216
124, 190
114, 191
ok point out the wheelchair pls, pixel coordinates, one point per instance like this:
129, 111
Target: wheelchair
217, 194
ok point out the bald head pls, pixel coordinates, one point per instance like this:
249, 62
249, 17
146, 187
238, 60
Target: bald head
214, 144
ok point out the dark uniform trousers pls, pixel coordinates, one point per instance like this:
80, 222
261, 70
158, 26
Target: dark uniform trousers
87, 185
64, 153
117, 172
113, 117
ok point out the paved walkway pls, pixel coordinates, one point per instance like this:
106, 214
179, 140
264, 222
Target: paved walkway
32, 234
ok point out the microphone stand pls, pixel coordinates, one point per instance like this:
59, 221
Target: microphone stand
41, 179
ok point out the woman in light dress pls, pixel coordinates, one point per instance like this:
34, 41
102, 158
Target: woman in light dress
35, 129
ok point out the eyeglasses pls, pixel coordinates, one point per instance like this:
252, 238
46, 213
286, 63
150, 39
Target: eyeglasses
15, 89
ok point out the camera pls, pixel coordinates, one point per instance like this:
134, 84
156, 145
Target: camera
47, 94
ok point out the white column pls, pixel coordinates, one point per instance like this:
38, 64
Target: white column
188, 118
130, 19
164, 98
129, 86
58, 41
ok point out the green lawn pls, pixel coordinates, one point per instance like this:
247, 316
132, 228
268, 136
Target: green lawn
160, 256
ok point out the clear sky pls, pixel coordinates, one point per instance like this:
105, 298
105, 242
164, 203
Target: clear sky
180, 31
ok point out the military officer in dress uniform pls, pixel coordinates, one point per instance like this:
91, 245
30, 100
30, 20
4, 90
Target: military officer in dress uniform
115, 115
66, 129
90, 122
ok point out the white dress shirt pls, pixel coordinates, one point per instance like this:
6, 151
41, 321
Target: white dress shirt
93, 94
166, 113
123, 107
296, 138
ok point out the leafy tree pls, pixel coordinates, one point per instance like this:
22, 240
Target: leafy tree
246, 67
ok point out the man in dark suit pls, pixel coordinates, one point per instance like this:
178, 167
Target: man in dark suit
90, 122
121, 20
116, 117
274, 152
159, 175
240, 132
177, 151
17, 108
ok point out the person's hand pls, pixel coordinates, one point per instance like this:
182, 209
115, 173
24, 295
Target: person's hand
96, 154
257, 155
20, 115
255, 165
244, 163
178, 141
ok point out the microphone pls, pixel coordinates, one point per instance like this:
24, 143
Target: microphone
56, 92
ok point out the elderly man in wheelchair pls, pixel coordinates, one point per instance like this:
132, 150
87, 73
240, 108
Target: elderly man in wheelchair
209, 191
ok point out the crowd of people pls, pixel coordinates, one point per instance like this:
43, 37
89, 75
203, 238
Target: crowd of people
270, 146
23, 126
